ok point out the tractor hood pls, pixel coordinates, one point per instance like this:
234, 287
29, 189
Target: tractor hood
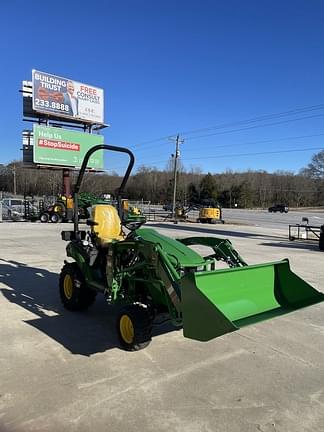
185, 256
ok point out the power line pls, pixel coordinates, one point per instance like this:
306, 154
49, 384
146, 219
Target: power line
247, 128
260, 153
256, 126
246, 154
260, 118
241, 122
248, 121
261, 141
267, 141
235, 155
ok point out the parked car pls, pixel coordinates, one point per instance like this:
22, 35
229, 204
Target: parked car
282, 208
12, 208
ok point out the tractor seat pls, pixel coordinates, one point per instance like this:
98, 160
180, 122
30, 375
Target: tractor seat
106, 224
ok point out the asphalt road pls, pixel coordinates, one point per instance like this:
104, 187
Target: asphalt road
64, 371
266, 219
260, 218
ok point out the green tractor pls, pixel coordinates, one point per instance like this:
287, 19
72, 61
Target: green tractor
148, 275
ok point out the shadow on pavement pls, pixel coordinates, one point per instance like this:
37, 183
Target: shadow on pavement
36, 290
312, 245
213, 231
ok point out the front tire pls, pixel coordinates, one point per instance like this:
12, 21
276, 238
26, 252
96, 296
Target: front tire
74, 293
134, 327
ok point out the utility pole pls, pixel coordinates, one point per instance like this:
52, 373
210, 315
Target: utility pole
178, 141
14, 180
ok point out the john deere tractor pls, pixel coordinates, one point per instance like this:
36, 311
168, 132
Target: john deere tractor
63, 208
146, 274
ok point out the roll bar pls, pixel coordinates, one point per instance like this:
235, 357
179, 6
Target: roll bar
82, 171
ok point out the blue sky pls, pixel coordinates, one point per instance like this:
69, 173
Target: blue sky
175, 66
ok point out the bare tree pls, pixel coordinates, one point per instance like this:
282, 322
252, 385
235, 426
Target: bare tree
315, 168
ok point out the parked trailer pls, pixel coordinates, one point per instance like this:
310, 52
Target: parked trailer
307, 232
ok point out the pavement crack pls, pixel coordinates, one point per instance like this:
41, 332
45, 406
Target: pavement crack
281, 352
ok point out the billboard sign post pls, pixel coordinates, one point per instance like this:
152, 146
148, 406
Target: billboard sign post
62, 97
62, 147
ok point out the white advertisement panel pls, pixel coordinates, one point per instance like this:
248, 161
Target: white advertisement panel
62, 97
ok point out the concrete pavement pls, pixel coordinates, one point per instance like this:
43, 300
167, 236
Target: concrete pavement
63, 371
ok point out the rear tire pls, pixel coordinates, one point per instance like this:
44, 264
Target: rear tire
74, 293
55, 218
134, 327
44, 217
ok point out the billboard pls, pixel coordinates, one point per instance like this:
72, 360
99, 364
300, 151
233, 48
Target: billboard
62, 97
57, 146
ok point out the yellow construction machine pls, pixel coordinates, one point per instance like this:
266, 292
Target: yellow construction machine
210, 212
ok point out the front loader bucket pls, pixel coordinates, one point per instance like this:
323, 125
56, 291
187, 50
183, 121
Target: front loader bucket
221, 301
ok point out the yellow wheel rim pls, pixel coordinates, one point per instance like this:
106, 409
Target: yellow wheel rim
126, 329
68, 286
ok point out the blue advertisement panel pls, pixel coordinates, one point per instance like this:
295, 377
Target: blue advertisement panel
63, 97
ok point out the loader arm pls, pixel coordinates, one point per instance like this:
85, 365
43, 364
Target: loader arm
223, 249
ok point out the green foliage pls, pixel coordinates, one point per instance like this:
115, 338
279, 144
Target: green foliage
208, 188
193, 194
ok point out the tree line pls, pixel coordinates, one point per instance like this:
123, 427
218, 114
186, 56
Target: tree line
231, 189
